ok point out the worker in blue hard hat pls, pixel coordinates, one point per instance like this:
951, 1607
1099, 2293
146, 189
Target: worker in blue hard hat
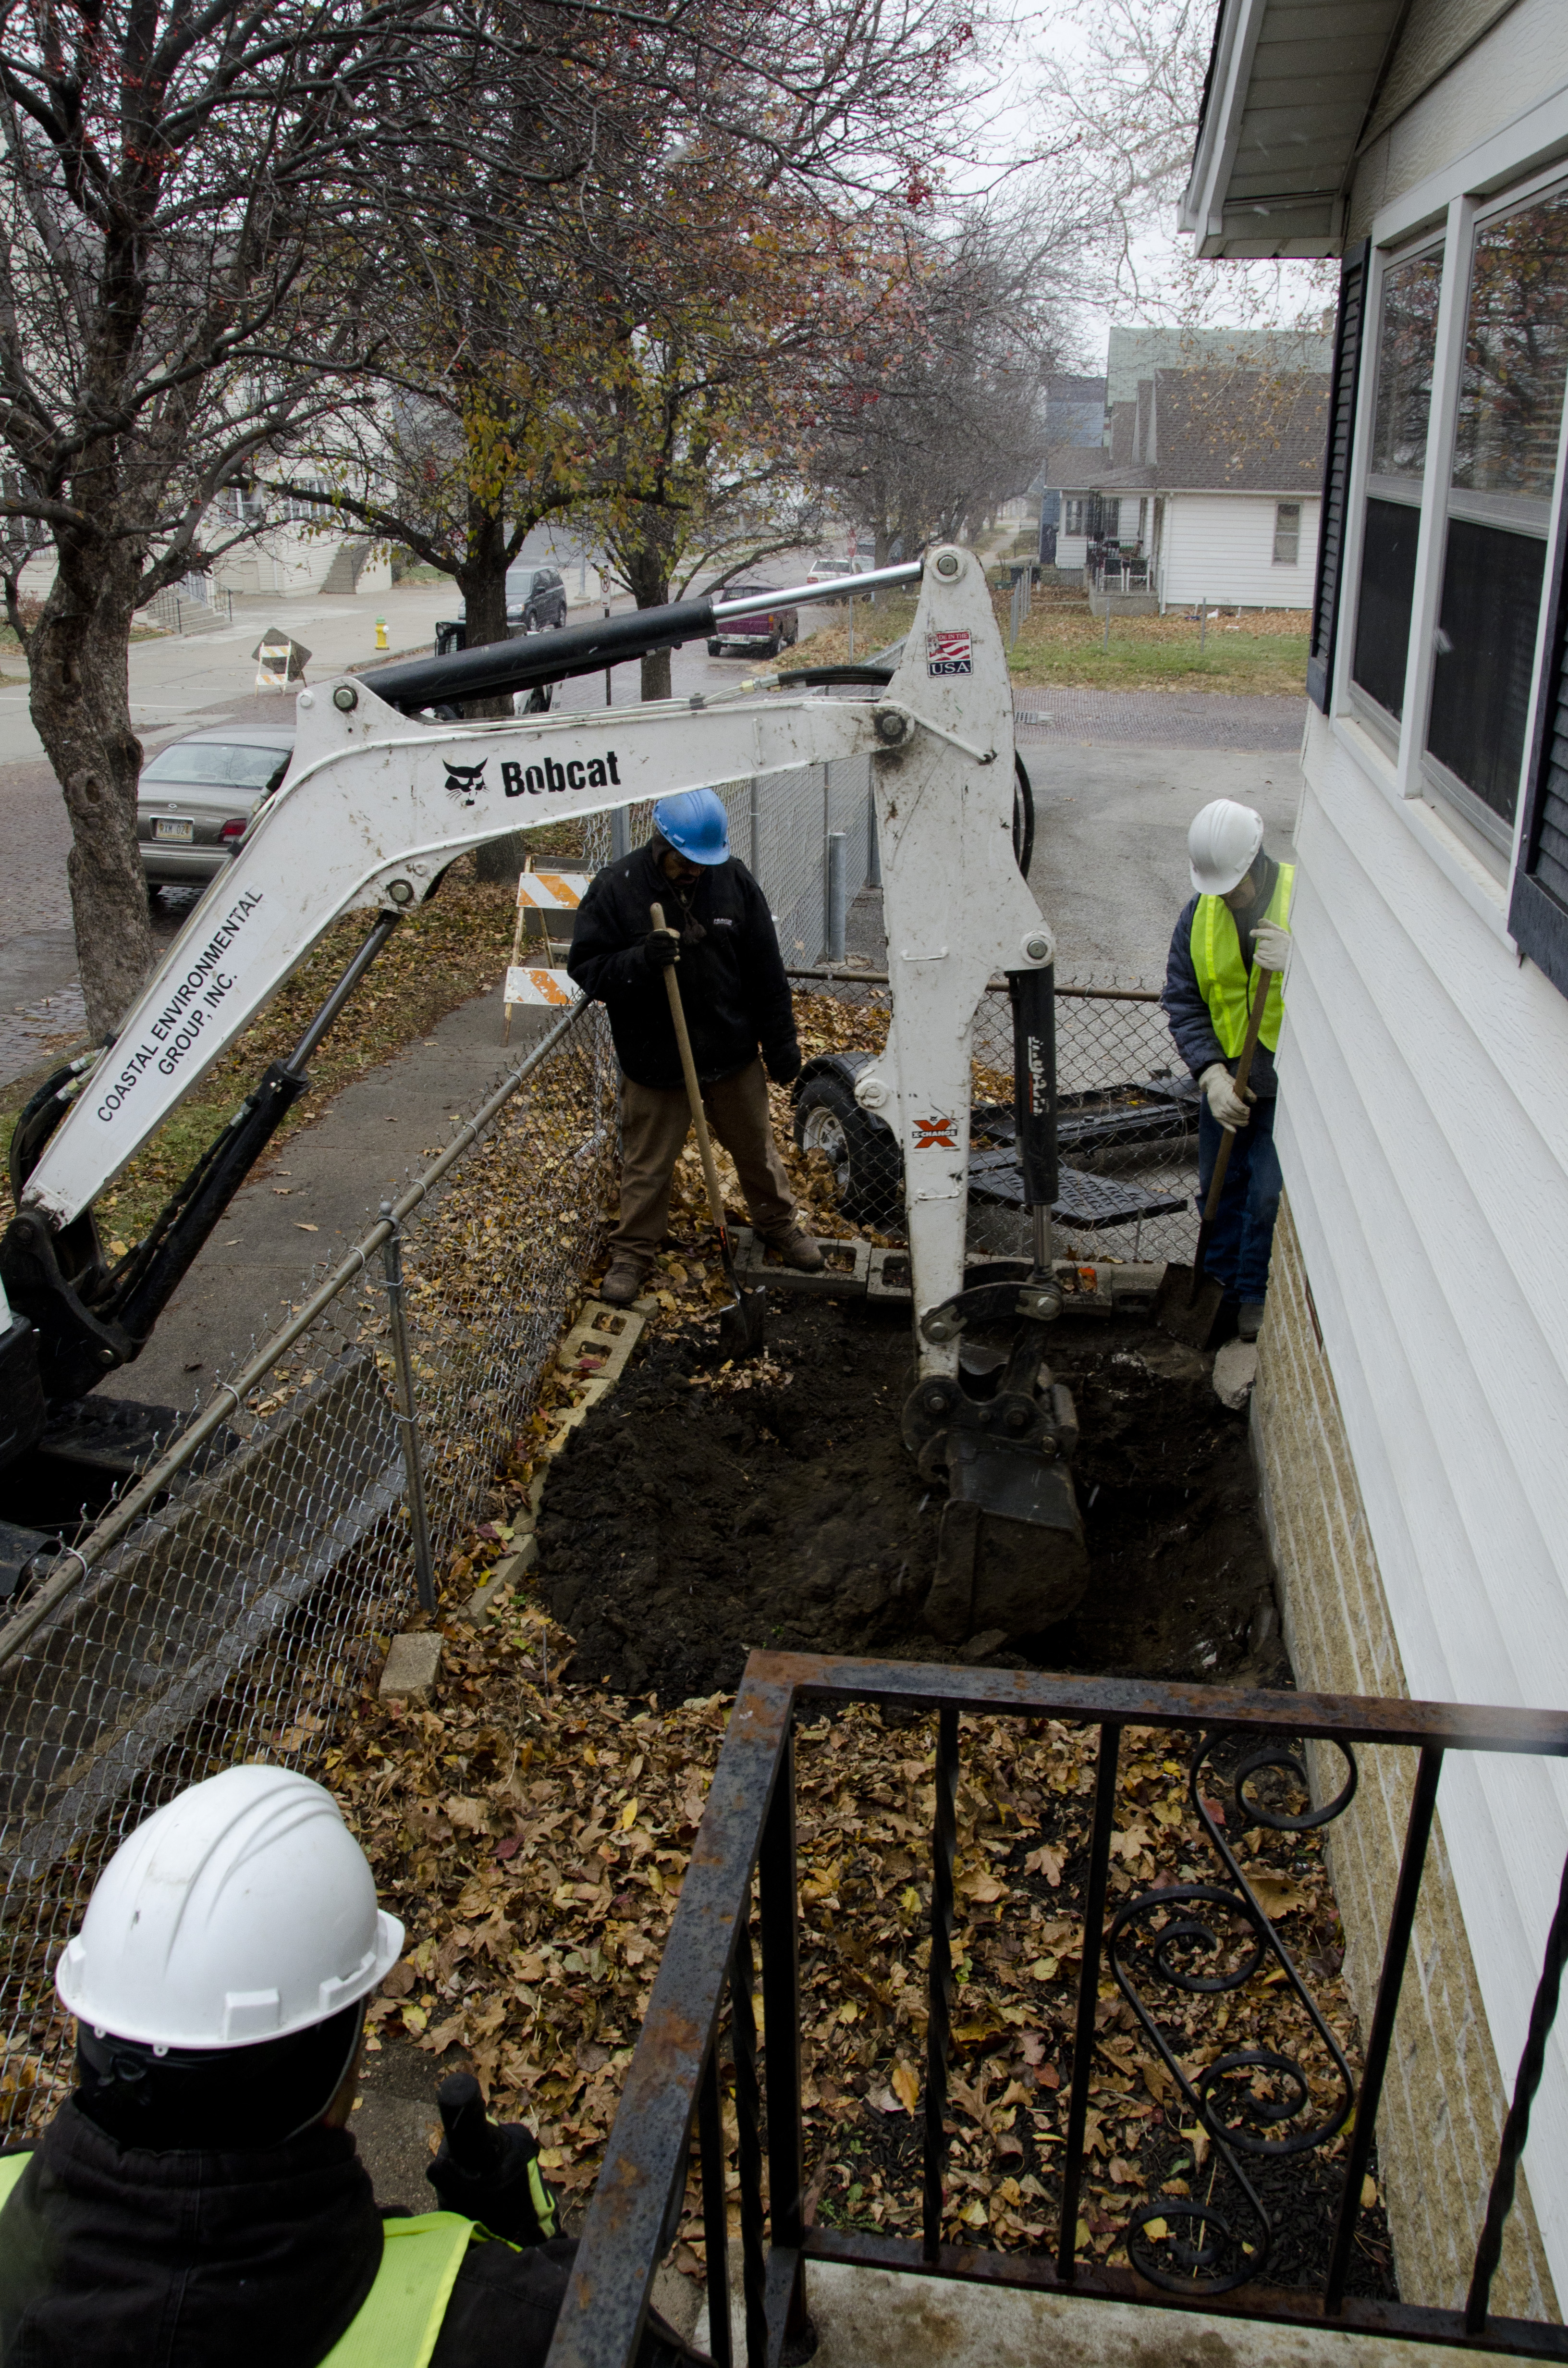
738, 1013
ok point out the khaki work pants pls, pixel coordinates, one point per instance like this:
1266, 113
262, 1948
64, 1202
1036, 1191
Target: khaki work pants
654, 1123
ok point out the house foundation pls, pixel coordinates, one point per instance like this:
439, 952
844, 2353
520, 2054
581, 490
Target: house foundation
1445, 2097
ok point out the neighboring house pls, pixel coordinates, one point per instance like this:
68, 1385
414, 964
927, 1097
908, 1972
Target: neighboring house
1211, 476
1411, 1415
1134, 354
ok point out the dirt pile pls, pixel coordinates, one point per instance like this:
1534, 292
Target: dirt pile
698, 1515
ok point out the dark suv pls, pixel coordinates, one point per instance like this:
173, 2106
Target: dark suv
536, 599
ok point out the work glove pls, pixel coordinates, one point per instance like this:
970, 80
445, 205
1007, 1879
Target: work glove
1220, 1087
783, 1062
660, 949
489, 2170
1271, 945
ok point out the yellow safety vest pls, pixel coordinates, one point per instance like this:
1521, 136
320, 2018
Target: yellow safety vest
1223, 975
398, 2322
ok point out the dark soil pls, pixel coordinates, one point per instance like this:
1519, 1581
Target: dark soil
689, 1522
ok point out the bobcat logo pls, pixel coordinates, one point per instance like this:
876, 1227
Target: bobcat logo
465, 782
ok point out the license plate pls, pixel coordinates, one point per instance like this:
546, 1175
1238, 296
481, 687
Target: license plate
166, 827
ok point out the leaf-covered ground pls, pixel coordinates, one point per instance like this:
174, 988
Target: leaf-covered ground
533, 1831
450, 950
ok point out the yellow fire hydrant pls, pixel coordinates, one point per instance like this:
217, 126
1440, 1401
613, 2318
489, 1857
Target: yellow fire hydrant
381, 641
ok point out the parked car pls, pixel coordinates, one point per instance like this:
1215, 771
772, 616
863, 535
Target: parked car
536, 599
195, 798
761, 635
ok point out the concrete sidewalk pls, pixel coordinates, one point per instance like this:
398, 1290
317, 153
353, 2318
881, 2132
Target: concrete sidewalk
310, 1204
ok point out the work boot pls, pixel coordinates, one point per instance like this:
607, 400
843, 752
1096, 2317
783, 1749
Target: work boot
797, 1249
1249, 1321
623, 1284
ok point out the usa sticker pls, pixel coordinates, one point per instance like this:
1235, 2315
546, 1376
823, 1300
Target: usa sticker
948, 653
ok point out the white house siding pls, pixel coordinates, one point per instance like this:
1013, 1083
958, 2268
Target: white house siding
1423, 1135
1220, 547
1517, 62
1072, 550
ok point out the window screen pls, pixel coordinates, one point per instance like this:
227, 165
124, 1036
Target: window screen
1510, 410
1383, 614
1287, 533
1481, 687
1408, 340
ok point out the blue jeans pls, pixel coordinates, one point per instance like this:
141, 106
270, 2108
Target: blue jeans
1237, 1251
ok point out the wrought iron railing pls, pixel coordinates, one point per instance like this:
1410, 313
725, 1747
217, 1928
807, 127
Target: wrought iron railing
1255, 2106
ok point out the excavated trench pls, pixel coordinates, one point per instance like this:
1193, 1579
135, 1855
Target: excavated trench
691, 1519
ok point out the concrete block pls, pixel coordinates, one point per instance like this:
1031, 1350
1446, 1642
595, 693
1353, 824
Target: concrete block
501, 1583
412, 1667
600, 1341
846, 1269
507, 1574
1235, 1369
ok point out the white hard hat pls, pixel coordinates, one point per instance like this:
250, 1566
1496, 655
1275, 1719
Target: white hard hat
1222, 844
242, 1911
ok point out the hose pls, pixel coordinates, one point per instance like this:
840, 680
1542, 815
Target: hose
825, 678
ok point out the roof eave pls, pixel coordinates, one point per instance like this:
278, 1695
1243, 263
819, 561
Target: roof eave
1201, 211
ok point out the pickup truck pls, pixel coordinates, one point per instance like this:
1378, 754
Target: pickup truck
761, 635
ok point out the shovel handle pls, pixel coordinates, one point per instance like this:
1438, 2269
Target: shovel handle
1243, 1069
694, 1096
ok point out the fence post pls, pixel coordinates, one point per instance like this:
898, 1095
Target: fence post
874, 843
754, 816
392, 1261
838, 894
620, 835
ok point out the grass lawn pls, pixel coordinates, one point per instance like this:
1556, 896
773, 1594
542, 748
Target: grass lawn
447, 951
1262, 649
1061, 645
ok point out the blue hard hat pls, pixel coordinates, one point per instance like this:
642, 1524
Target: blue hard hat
695, 824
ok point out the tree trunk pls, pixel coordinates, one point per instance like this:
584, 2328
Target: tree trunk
646, 571
482, 579
78, 671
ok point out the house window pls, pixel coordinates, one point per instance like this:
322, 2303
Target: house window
1505, 461
1074, 519
1287, 533
1407, 338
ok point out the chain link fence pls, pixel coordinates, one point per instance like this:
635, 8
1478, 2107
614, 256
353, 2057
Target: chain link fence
1127, 1122
240, 1597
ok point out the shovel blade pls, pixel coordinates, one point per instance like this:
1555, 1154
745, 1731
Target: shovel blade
740, 1325
1193, 1312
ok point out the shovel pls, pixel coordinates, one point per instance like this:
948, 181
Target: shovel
740, 1323
1187, 1306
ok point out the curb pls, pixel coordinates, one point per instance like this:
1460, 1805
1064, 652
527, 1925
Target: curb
596, 1348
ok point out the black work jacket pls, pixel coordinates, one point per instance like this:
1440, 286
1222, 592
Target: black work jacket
731, 973
112, 2256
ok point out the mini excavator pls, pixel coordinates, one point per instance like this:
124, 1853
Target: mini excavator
387, 785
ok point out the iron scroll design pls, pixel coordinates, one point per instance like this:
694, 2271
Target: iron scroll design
1244, 2099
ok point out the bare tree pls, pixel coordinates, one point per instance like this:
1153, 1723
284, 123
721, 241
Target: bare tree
175, 300
936, 413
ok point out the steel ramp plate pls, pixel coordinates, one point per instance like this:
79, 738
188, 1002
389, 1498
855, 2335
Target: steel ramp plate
1083, 1200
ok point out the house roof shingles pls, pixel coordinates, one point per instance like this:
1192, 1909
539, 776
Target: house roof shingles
1207, 431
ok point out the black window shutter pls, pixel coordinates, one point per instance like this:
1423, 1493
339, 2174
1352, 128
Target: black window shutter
1538, 912
1336, 470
